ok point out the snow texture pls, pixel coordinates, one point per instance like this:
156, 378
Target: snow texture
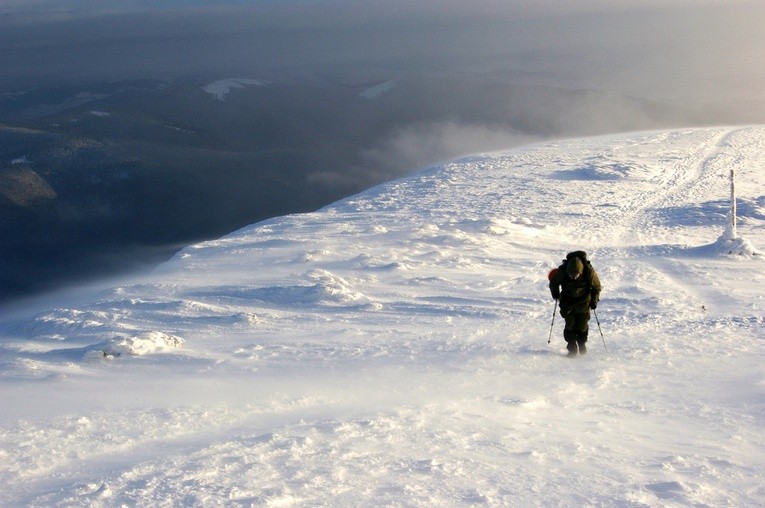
391, 349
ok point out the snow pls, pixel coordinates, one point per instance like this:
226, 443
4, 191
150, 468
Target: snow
391, 349
376, 91
222, 87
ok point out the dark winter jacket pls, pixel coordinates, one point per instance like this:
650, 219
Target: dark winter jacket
580, 294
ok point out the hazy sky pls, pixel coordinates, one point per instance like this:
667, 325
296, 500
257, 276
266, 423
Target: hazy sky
698, 49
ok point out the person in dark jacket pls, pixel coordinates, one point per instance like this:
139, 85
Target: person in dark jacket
576, 286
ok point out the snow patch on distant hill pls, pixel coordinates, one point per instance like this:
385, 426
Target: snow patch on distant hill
376, 91
222, 87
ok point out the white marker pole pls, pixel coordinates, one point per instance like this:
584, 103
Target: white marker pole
732, 205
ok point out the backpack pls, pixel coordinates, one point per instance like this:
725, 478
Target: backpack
576, 254
583, 258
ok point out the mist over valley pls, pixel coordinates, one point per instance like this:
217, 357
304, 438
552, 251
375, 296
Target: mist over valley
128, 133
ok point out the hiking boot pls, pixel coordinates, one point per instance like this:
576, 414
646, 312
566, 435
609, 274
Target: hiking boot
572, 349
582, 340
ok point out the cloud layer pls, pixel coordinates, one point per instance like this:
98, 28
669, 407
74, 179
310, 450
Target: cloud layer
655, 49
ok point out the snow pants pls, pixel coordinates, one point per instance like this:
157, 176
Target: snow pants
577, 325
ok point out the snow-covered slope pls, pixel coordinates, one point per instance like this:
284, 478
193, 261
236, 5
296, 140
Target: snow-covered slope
391, 349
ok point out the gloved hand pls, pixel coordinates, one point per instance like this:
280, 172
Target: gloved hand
593, 304
555, 293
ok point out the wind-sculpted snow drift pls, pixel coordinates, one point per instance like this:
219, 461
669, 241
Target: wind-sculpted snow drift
391, 349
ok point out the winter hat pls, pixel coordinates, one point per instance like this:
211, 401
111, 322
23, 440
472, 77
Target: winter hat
574, 267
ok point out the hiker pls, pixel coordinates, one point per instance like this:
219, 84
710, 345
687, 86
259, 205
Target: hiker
576, 286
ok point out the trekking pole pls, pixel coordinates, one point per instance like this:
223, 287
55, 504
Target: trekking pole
601, 331
553, 321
